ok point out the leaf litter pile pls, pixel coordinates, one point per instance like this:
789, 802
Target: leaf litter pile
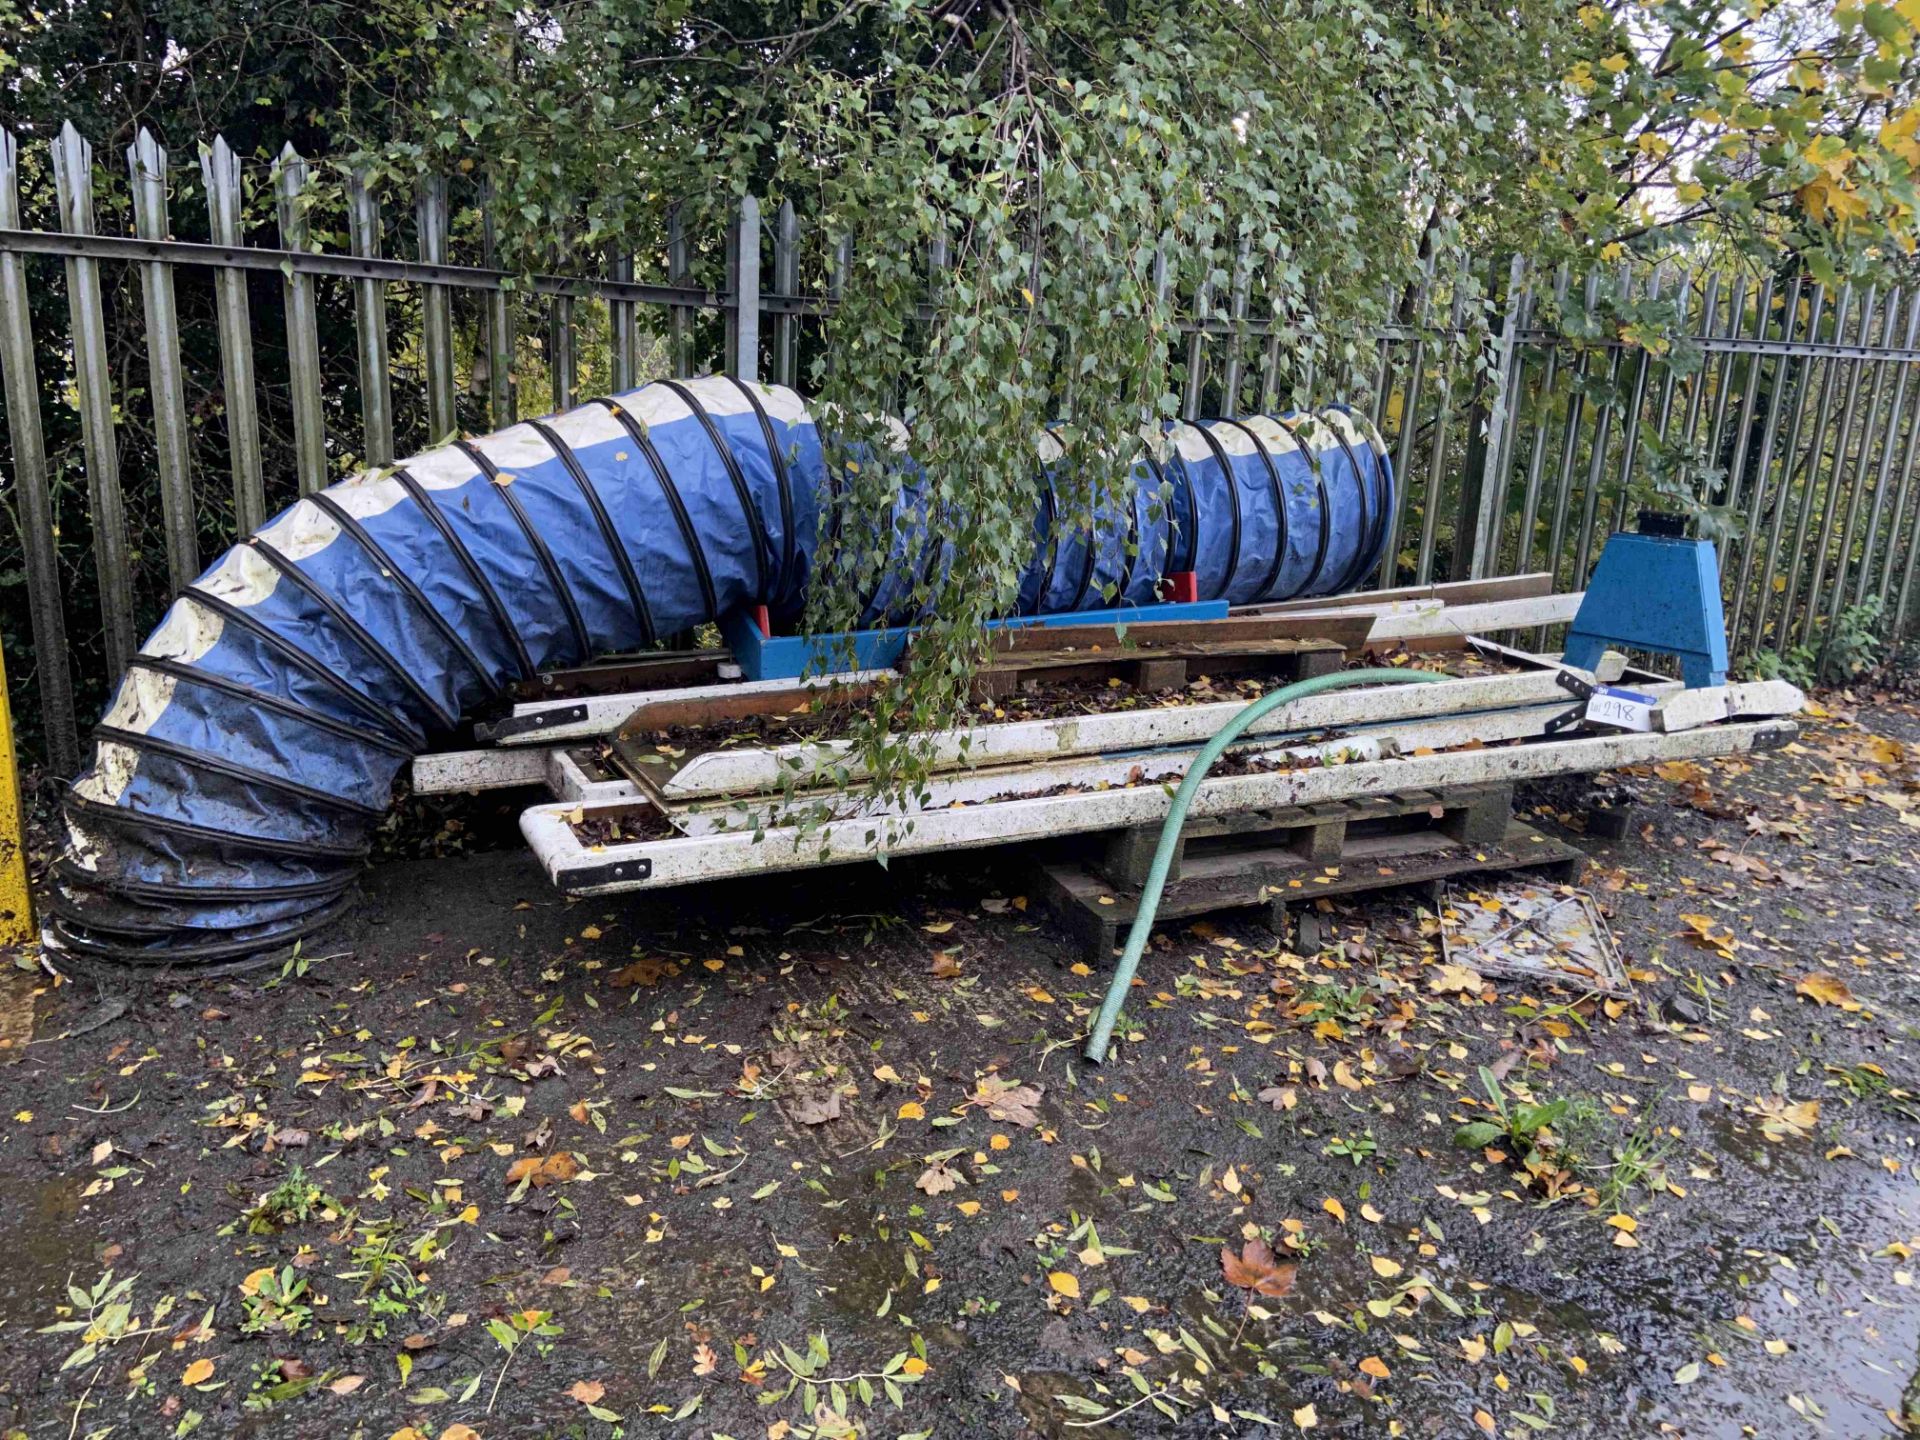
723, 1166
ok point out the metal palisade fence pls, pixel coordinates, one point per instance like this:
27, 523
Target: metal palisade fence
187, 347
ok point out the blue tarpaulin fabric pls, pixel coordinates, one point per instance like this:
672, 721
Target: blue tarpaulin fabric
253, 744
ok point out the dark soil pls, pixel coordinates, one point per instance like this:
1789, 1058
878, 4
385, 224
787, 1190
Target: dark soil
742, 1117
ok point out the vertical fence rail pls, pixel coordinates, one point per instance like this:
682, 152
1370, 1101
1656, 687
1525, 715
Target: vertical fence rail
370, 326
93, 385
32, 496
436, 308
166, 388
1520, 443
220, 168
290, 180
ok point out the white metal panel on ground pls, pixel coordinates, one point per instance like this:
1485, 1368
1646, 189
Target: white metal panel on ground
1163, 766
578, 869
751, 769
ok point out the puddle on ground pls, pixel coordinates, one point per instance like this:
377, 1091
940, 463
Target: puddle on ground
47, 1246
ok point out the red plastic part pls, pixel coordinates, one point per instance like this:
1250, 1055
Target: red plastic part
1183, 587
764, 621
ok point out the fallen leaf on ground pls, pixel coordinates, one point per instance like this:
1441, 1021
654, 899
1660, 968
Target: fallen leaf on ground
1825, 989
1254, 1269
541, 1172
1007, 1100
817, 1109
198, 1373
1065, 1283
587, 1392
938, 1178
1451, 978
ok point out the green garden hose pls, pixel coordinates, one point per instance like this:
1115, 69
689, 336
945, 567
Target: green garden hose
1096, 1050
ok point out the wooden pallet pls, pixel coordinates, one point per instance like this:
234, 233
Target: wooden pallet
1161, 666
1284, 860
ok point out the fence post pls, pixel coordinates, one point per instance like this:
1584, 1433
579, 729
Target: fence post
620, 322
1489, 485
220, 168
370, 326
1242, 282
501, 394
19, 375
303, 327
436, 309
73, 177
147, 169
786, 282
562, 368
680, 318
743, 292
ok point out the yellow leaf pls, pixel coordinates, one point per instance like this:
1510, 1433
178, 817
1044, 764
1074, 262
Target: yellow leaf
1065, 1283
1623, 1222
1139, 1304
1334, 1208
1306, 1417
1825, 989
914, 1366
251, 1285
198, 1373
1386, 1269
460, 1431
1376, 1367
913, 1110
1615, 63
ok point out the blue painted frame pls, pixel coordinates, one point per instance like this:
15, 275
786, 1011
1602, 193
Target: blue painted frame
787, 657
1658, 593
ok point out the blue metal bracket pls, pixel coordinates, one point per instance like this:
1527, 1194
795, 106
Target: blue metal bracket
1659, 593
784, 657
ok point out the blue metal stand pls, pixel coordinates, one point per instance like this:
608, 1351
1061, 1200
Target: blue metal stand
784, 657
1658, 593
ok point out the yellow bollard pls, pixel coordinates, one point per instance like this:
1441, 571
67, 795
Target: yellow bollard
16, 901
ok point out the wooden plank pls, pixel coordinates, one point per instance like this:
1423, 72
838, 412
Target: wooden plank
1455, 622
667, 714
1280, 876
464, 771
662, 671
220, 169
147, 171
1453, 592
1343, 631
370, 326
501, 398
436, 310
303, 327
73, 178
34, 499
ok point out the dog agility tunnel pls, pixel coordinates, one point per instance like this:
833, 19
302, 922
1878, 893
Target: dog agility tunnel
252, 746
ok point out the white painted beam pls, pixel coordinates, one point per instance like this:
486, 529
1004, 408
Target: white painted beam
683, 860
